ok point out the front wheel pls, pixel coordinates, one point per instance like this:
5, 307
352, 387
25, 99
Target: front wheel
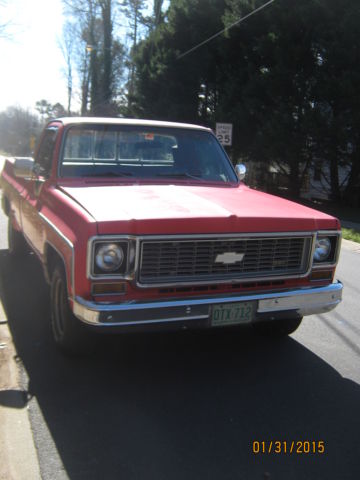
278, 328
69, 334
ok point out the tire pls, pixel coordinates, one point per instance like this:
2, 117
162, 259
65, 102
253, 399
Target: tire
16, 242
278, 328
68, 333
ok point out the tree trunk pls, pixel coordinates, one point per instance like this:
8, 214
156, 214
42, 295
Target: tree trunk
107, 76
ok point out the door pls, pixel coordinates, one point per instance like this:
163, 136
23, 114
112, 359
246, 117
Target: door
32, 224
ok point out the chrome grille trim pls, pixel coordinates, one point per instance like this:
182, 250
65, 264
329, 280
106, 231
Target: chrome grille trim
185, 260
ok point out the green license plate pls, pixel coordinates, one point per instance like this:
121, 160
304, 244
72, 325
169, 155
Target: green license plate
232, 313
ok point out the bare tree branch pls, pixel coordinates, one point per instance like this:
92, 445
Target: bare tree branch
5, 26
66, 45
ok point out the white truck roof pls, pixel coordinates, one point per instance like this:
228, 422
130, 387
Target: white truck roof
126, 121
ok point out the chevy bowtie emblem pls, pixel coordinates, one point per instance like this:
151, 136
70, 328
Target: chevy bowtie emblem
229, 257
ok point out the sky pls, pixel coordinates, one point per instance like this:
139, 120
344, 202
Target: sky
30, 60
31, 63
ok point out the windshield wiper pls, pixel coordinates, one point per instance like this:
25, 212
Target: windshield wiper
179, 175
109, 174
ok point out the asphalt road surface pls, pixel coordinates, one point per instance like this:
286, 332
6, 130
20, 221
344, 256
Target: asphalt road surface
190, 405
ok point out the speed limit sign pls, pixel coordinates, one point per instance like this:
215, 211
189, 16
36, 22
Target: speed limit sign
224, 133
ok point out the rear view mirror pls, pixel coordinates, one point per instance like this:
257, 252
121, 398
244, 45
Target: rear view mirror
23, 167
240, 170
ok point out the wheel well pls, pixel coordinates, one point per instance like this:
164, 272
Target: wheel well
52, 259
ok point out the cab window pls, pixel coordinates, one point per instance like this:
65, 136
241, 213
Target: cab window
46, 150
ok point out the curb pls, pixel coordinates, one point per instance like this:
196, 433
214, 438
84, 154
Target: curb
18, 457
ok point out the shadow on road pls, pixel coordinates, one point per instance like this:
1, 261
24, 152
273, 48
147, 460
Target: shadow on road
180, 406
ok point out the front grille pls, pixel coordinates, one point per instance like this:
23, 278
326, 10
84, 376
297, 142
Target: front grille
194, 260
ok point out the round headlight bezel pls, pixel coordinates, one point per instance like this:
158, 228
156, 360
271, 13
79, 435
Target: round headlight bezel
322, 250
109, 257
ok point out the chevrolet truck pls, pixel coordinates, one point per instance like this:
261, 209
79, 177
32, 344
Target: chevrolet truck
142, 225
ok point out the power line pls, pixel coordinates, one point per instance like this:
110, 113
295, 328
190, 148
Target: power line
225, 29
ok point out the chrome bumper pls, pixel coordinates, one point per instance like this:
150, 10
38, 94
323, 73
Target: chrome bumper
305, 301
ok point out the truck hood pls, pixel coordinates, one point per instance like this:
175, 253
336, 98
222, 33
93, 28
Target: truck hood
177, 209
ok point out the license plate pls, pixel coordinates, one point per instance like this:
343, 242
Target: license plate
232, 313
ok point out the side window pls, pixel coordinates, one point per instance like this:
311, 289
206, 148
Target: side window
46, 150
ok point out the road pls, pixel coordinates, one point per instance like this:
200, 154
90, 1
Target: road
190, 405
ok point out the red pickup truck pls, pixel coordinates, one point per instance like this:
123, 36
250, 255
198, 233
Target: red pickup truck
142, 225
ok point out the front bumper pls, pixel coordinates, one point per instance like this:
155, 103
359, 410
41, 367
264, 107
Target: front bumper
305, 301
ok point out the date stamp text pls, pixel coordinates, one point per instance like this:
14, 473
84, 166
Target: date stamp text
288, 447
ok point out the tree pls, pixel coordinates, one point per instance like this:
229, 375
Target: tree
17, 127
169, 86
107, 25
271, 103
66, 45
158, 16
98, 54
44, 109
48, 111
133, 11
287, 77
338, 98
270, 76
83, 13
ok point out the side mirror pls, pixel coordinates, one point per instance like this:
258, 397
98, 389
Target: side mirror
240, 170
23, 167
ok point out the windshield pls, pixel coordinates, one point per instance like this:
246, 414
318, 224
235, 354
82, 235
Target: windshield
144, 152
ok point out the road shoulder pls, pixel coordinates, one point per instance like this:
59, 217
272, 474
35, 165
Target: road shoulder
349, 245
18, 457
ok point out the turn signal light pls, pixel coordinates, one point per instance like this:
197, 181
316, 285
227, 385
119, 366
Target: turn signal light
318, 275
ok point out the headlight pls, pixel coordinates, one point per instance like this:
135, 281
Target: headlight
322, 249
109, 257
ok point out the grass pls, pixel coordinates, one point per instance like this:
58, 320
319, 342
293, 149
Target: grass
351, 234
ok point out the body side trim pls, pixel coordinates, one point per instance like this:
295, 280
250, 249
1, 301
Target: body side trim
69, 244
